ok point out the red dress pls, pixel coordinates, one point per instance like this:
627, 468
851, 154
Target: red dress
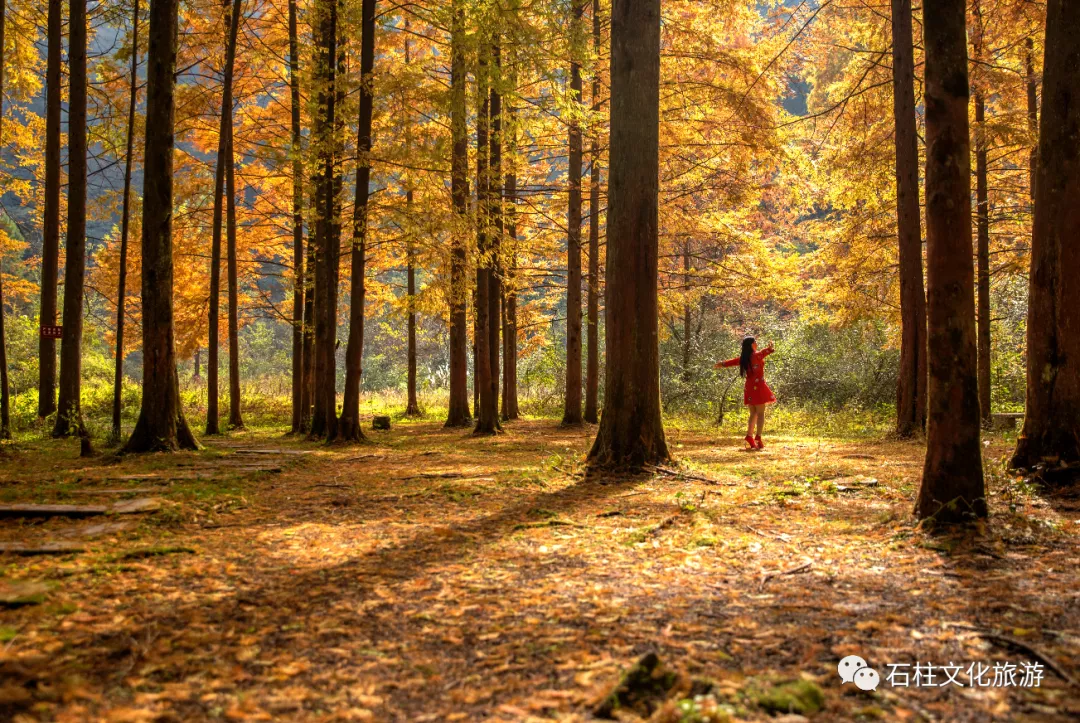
756, 390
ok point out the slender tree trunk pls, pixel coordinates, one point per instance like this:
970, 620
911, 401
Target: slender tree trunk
299, 421
161, 425
912, 382
50, 245
125, 216
982, 213
236, 421
1052, 422
307, 390
688, 320
631, 430
412, 409
69, 413
1032, 110
349, 424
198, 364
495, 218
458, 409
224, 153
486, 406
572, 405
5, 411
952, 486
592, 362
510, 409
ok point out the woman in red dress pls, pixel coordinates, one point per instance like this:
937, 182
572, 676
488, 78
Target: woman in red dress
756, 393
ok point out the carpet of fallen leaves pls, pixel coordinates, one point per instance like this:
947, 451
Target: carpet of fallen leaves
431, 576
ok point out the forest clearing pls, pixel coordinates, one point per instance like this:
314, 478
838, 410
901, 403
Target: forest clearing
434, 576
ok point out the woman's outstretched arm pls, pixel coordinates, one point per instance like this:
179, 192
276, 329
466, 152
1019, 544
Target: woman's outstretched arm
729, 363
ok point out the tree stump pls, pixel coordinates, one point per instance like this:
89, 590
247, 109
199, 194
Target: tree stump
381, 422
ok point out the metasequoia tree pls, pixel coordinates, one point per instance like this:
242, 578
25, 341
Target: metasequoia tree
494, 216
952, 486
299, 420
125, 218
592, 362
161, 424
982, 212
912, 380
487, 407
412, 408
5, 412
631, 432
50, 245
458, 409
224, 150
235, 420
510, 408
1052, 422
572, 402
348, 427
69, 413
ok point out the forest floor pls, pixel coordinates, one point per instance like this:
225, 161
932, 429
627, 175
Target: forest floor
431, 576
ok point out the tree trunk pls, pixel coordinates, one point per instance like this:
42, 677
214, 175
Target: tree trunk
952, 486
235, 420
912, 382
221, 169
486, 407
348, 428
631, 430
198, 364
458, 408
50, 245
982, 205
412, 409
69, 413
307, 390
688, 321
299, 422
1052, 422
1032, 110
510, 408
161, 425
572, 405
592, 363
125, 216
495, 219
5, 412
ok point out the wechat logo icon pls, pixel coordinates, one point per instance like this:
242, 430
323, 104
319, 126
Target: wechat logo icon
853, 669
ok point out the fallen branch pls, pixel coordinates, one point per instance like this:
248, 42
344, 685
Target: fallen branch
683, 475
1032, 651
805, 567
776, 536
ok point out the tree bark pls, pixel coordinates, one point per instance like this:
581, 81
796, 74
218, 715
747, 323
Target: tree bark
952, 486
224, 153
125, 216
50, 245
69, 410
5, 411
236, 421
631, 430
572, 402
912, 382
458, 408
299, 422
510, 408
1052, 423
307, 391
495, 219
1032, 110
161, 425
592, 354
348, 428
688, 321
982, 212
412, 408
486, 406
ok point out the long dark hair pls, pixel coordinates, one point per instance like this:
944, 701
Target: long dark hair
745, 357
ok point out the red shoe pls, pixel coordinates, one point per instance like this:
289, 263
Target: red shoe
750, 442
758, 443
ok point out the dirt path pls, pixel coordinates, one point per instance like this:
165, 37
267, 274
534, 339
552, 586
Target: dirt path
429, 576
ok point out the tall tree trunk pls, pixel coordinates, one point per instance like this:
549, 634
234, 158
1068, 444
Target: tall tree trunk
69, 412
982, 212
224, 152
412, 408
458, 409
592, 362
1052, 422
688, 321
952, 486
307, 390
125, 216
198, 363
299, 421
510, 408
5, 411
912, 382
572, 405
631, 430
486, 407
495, 218
349, 424
161, 425
236, 421
1032, 110
50, 245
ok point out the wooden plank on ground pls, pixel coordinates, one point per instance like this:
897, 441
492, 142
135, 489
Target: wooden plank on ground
11, 511
41, 548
